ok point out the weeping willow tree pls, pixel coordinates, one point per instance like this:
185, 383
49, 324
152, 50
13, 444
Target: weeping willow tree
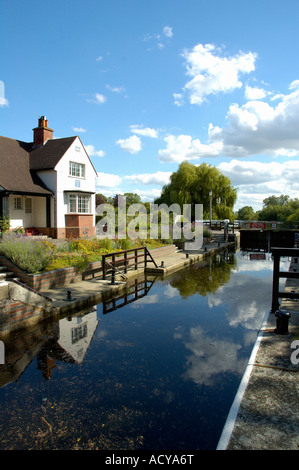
192, 184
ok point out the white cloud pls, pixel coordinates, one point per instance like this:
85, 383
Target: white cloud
115, 89
294, 85
256, 128
257, 180
158, 38
212, 73
3, 100
79, 129
131, 144
92, 152
178, 99
160, 178
167, 31
183, 147
144, 131
254, 93
147, 195
98, 98
107, 180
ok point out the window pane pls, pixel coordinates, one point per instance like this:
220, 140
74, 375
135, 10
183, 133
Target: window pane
83, 204
79, 204
28, 205
77, 169
72, 207
17, 203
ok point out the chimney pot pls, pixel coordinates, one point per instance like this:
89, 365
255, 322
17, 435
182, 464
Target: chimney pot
42, 133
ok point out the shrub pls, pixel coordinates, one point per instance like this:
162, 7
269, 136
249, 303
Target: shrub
4, 224
30, 255
124, 243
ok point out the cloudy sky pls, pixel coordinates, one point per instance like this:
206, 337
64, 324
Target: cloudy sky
149, 84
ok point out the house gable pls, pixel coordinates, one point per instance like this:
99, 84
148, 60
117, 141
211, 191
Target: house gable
48, 167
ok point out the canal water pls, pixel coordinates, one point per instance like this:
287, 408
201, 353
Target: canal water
155, 369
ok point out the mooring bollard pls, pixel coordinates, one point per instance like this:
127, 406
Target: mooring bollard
69, 297
282, 322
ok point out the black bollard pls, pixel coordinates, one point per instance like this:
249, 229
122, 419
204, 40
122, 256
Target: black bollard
69, 297
282, 322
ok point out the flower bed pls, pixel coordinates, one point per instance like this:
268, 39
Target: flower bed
43, 264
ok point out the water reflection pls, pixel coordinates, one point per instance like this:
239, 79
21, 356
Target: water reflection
157, 368
204, 278
209, 357
69, 343
136, 289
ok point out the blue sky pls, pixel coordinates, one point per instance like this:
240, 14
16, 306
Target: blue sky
149, 84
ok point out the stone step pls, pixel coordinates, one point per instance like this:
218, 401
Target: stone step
5, 274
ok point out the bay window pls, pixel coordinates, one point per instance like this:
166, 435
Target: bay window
79, 204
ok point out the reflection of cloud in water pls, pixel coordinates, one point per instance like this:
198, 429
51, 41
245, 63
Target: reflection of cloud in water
170, 291
246, 264
209, 357
148, 299
101, 334
248, 300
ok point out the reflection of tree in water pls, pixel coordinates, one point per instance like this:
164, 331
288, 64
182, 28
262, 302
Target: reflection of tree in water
204, 278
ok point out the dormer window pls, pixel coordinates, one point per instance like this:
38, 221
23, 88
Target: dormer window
77, 170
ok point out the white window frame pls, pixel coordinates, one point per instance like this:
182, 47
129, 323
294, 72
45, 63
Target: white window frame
76, 170
79, 204
18, 203
28, 205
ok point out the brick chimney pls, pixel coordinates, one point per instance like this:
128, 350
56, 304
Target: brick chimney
42, 133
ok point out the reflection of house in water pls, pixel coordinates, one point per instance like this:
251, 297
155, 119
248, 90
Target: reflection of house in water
66, 340
70, 344
135, 290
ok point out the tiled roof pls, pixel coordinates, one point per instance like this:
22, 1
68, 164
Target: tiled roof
47, 156
15, 174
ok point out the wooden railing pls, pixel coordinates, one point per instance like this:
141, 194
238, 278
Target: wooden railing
125, 260
136, 289
277, 274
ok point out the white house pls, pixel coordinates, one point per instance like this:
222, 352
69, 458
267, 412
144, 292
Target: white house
48, 186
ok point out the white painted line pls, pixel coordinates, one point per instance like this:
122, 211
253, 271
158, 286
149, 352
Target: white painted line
232, 416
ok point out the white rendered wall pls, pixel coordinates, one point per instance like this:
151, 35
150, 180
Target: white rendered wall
65, 182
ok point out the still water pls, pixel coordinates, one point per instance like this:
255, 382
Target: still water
155, 372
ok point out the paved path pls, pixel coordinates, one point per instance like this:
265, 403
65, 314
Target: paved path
265, 413
92, 291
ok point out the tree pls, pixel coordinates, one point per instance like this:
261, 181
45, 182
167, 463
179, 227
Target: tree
192, 184
100, 199
280, 208
245, 213
281, 200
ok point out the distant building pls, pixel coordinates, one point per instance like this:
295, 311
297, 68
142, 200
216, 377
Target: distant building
48, 186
